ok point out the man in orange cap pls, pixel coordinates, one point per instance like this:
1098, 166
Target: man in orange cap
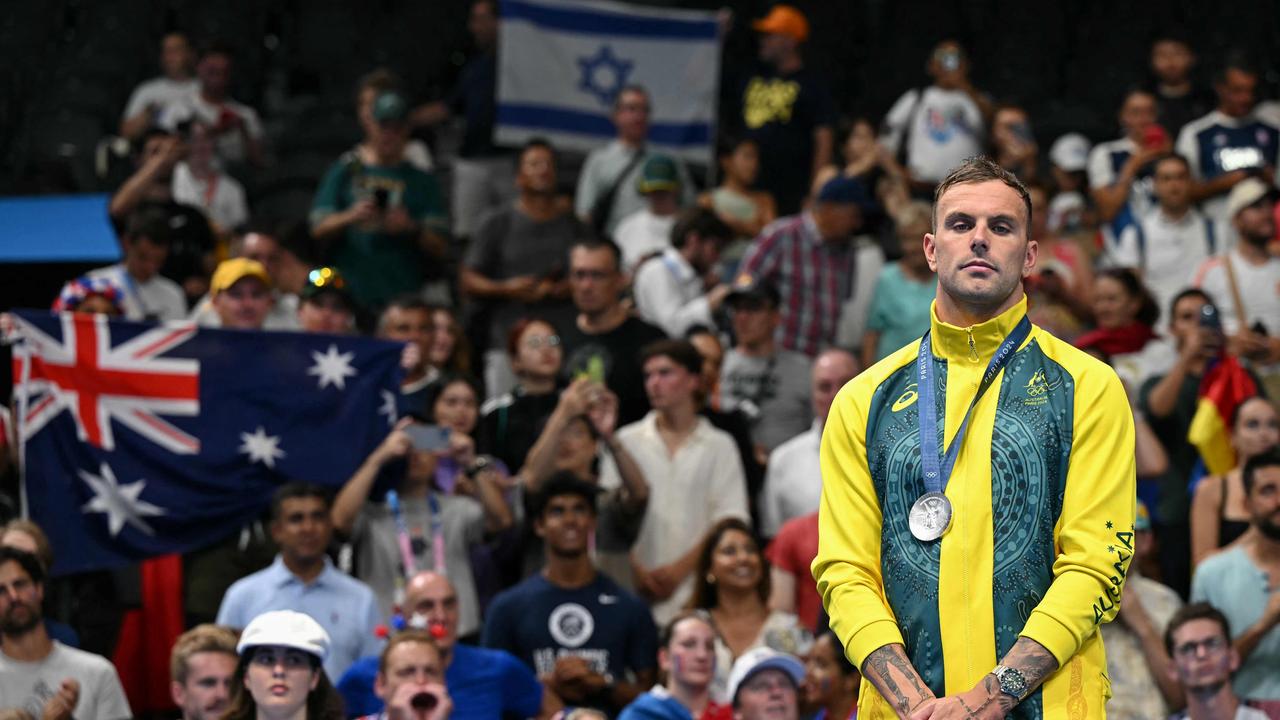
787, 110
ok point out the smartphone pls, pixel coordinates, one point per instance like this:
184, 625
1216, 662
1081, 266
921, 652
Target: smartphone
381, 197
428, 437
595, 369
1154, 136
1209, 318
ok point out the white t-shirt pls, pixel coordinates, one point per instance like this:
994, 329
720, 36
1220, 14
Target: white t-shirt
230, 145
159, 93
221, 198
158, 299
946, 127
641, 234
28, 685
1105, 161
669, 294
1174, 249
792, 481
1259, 287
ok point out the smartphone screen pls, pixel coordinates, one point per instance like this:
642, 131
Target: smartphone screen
428, 437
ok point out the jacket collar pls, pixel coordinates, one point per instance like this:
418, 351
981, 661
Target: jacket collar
954, 343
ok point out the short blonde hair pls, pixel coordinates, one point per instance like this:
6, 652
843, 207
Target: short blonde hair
44, 551
201, 638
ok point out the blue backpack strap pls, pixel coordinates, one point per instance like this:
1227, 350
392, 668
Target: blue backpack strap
1209, 236
1141, 237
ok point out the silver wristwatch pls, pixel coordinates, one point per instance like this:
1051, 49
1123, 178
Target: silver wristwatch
1012, 682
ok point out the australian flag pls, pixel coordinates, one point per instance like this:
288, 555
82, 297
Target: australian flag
145, 439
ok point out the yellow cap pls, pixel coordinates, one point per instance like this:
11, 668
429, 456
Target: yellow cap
232, 271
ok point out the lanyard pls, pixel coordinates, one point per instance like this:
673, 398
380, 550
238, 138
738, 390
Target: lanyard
405, 543
938, 470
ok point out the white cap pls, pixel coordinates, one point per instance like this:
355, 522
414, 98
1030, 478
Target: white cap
758, 659
1070, 152
1245, 193
285, 628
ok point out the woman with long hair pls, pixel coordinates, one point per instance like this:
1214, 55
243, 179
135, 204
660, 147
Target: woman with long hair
687, 658
280, 675
1125, 315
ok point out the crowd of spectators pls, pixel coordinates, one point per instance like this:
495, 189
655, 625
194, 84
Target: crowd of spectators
629, 382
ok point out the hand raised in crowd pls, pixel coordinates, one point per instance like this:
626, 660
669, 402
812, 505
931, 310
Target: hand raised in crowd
461, 448
602, 411
396, 444
410, 356
363, 211
1249, 344
63, 702
523, 288
171, 150
397, 221
1203, 343
414, 701
574, 680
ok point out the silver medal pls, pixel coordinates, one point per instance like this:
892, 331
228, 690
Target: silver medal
930, 516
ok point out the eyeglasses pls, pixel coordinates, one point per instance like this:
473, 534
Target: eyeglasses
326, 277
1192, 649
535, 342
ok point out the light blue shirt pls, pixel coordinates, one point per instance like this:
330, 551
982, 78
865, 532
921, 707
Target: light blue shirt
344, 607
1232, 583
899, 309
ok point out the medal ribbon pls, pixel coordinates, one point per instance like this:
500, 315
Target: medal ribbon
937, 470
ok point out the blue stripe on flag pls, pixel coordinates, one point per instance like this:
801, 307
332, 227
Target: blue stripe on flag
553, 118
595, 21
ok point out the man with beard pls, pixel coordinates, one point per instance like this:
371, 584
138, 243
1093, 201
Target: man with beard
679, 289
42, 676
1242, 582
200, 669
1199, 641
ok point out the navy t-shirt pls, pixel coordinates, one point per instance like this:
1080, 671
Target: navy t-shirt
600, 622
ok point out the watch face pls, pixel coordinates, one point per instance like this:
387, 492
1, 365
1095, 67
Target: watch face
1012, 682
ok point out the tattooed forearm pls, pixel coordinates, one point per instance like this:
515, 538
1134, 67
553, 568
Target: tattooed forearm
1032, 659
891, 673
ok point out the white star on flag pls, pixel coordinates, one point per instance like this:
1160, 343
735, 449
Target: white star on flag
120, 502
333, 368
261, 447
388, 407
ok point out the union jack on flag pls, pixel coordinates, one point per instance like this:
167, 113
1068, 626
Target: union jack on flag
142, 439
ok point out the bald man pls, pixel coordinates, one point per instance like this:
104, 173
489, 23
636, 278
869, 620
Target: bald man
484, 684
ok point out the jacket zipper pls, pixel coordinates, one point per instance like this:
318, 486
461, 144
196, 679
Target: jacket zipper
973, 347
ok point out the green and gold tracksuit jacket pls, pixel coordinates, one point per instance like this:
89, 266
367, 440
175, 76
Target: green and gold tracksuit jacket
1043, 493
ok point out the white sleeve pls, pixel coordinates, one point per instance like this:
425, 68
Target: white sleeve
138, 100
895, 122
1100, 173
1126, 251
1189, 149
585, 196
770, 512
252, 123
658, 299
729, 483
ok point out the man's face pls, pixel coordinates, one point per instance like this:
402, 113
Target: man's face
389, 139
631, 116
767, 695
1236, 92
594, 279
1171, 61
244, 305
831, 371
1264, 501
1186, 318
774, 47
482, 23
408, 325
325, 313
708, 346
1173, 184
144, 258
754, 321
537, 172
433, 598
303, 529
265, 249
1256, 223
980, 250
705, 251
176, 57
836, 221
1137, 112
214, 72
20, 600
409, 663
207, 691
1202, 655
949, 66
565, 525
668, 383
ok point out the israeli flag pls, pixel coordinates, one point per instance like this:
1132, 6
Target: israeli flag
560, 64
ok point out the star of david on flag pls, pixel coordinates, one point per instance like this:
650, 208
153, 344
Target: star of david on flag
140, 440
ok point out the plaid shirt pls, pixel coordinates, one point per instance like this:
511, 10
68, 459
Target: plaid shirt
813, 277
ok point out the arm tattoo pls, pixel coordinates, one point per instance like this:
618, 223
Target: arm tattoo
1033, 660
878, 669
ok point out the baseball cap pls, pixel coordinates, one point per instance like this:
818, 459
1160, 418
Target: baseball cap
845, 190
232, 271
1245, 193
747, 287
1142, 522
326, 280
659, 173
1070, 152
760, 659
390, 107
285, 628
784, 20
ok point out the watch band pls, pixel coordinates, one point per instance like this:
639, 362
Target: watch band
1011, 681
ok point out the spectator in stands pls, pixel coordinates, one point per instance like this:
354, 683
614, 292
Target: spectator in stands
764, 685
41, 675
605, 339
1070, 212
645, 233
510, 422
1178, 99
27, 536
1120, 170
793, 485
438, 337
1060, 285
303, 578
787, 109
148, 295
901, 302
744, 210
280, 672
199, 181
380, 216
1199, 641
935, 127
235, 127
865, 159
437, 526
809, 259
732, 585
410, 680
1237, 582
1230, 144
1219, 514
95, 296
1126, 316
515, 264
155, 153
482, 172
201, 666
608, 187
1143, 684
282, 266
830, 688
326, 306
151, 99
1246, 280
240, 294
768, 383
1013, 146
679, 288
1167, 243
695, 476
591, 642
484, 684
371, 85
687, 658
